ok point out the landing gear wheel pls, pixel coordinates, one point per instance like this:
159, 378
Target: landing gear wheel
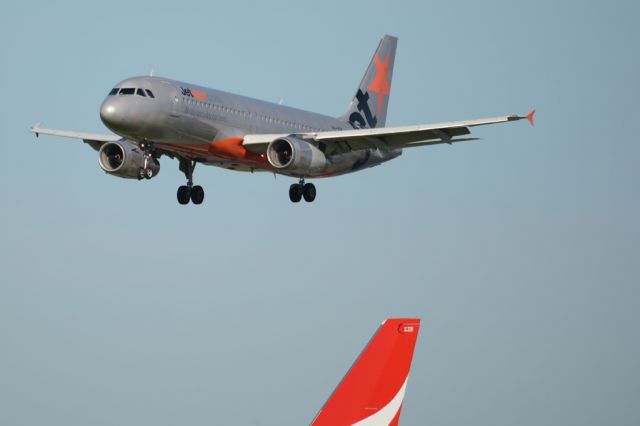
189, 192
197, 194
184, 194
295, 193
309, 192
145, 173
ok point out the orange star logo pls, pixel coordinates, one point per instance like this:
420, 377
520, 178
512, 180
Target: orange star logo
380, 83
201, 96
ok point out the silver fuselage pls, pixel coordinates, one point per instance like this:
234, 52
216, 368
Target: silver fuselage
186, 120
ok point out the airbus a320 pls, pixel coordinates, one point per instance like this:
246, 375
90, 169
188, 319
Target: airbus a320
152, 117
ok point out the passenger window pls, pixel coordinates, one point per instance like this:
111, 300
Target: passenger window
150, 93
113, 91
140, 92
127, 91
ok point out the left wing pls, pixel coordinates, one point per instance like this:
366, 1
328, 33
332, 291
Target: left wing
387, 138
93, 139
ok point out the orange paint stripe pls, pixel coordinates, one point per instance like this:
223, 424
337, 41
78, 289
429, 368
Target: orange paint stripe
228, 149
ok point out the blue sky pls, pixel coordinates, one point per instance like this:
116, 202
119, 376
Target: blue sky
519, 251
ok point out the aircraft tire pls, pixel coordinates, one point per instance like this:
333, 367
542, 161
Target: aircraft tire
184, 194
295, 193
309, 192
148, 173
197, 194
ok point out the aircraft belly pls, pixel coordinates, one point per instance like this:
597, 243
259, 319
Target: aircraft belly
348, 162
357, 160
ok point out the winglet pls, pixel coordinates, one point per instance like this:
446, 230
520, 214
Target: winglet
530, 116
35, 129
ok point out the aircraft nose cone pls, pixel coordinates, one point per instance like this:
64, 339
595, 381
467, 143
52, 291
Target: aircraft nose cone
129, 116
107, 111
110, 114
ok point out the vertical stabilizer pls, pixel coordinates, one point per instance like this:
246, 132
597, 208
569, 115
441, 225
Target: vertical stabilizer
373, 390
368, 109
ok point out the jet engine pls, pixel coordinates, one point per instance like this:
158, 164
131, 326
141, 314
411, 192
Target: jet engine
298, 157
124, 159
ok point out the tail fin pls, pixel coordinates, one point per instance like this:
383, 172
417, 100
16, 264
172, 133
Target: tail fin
369, 105
372, 391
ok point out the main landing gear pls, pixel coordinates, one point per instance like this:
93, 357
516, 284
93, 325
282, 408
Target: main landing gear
189, 191
299, 190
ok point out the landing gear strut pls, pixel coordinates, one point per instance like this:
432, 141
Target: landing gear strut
146, 172
299, 190
189, 191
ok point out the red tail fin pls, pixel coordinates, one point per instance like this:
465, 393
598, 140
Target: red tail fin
372, 391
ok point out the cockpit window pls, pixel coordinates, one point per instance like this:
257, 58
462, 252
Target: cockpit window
140, 92
127, 91
113, 91
150, 93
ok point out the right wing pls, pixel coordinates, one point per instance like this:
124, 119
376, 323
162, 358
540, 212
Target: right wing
92, 139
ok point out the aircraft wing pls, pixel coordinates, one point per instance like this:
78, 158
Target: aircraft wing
93, 139
387, 138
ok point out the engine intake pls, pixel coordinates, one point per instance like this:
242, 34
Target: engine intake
124, 159
297, 156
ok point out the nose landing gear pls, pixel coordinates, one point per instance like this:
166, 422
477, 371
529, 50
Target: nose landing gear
187, 192
146, 172
300, 190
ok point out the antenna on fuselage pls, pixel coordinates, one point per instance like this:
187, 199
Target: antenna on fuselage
151, 73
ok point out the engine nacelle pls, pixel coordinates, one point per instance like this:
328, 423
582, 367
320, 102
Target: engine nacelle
124, 159
296, 156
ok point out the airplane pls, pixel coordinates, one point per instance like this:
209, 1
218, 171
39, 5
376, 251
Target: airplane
372, 391
154, 117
